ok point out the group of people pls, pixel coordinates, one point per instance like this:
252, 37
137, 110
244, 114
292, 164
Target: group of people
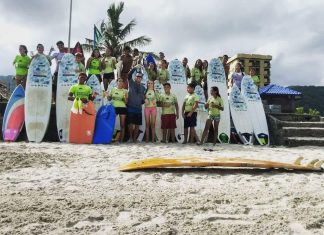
130, 94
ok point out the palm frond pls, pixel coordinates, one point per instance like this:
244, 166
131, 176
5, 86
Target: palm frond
140, 41
127, 29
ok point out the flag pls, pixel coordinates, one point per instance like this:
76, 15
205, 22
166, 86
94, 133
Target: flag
96, 36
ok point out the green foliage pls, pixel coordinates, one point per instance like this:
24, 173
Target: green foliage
313, 112
300, 110
312, 97
114, 33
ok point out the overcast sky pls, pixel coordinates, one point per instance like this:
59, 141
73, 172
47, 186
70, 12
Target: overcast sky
292, 31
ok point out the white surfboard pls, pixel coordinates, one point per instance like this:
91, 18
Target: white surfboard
141, 69
38, 98
179, 88
202, 113
95, 85
255, 109
159, 90
216, 77
67, 77
240, 116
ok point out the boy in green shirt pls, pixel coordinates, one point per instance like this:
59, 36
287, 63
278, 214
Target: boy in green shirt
170, 113
21, 63
189, 113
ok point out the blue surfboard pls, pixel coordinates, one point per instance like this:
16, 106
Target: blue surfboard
105, 124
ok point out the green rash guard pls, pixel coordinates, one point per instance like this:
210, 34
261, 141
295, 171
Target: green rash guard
196, 74
163, 76
190, 101
256, 80
21, 63
118, 97
151, 74
151, 97
110, 63
214, 101
94, 67
80, 68
80, 91
170, 101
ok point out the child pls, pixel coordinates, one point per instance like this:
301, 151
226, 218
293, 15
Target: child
170, 113
80, 94
150, 110
163, 74
214, 104
119, 97
94, 64
238, 75
80, 67
254, 77
197, 73
21, 63
150, 72
189, 113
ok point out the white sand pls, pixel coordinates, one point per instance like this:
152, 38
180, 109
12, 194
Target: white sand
76, 189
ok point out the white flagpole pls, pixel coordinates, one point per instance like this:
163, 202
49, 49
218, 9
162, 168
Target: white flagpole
69, 39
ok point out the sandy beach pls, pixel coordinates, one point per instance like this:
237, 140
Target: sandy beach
53, 188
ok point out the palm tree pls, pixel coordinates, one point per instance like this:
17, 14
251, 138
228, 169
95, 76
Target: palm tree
114, 33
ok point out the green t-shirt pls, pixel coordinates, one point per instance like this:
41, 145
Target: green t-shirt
110, 63
80, 68
169, 101
190, 101
118, 97
163, 76
80, 91
214, 101
256, 80
151, 97
94, 67
151, 74
196, 74
21, 64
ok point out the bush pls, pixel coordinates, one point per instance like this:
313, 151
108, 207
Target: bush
300, 110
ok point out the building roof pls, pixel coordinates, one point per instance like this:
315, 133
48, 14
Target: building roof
273, 89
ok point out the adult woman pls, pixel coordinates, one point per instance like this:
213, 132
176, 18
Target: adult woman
238, 75
150, 110
197, 73
94, 64
21, 63
108, 64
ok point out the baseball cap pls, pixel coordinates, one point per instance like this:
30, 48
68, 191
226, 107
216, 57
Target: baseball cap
139, 75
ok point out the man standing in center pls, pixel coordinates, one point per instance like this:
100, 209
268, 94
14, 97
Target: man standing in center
127, 61
136, 92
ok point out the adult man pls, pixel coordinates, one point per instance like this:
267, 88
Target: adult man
134, 106
127, 62
58, 57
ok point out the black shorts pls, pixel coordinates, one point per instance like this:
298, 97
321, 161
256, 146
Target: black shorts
134, 118
97, 75
108, 76
121, 110
190, 121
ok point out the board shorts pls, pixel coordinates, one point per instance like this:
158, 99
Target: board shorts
21, 79
190, 121
149, 111
214, 117
109, 76
134, 116
121, 111
168, 121
97, 75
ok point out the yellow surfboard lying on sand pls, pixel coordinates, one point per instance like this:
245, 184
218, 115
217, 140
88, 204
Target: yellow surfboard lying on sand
153, 163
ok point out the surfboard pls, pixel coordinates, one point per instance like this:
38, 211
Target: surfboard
66, 78
116, 132
105, 124
141, 69
159, 90
95, 85
38, 96
82, 125
178, 87
156, 163
256, 111
202, 113
14, 116
240, 116
216, 77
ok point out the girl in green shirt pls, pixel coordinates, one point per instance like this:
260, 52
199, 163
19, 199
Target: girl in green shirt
150, 110
214, 105
163, 74
94, 64
119, 97
197, 73
21, 63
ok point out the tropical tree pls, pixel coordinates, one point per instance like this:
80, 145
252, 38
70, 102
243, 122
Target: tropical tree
113, 34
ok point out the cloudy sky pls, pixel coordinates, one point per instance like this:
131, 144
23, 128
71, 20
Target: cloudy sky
292, 31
